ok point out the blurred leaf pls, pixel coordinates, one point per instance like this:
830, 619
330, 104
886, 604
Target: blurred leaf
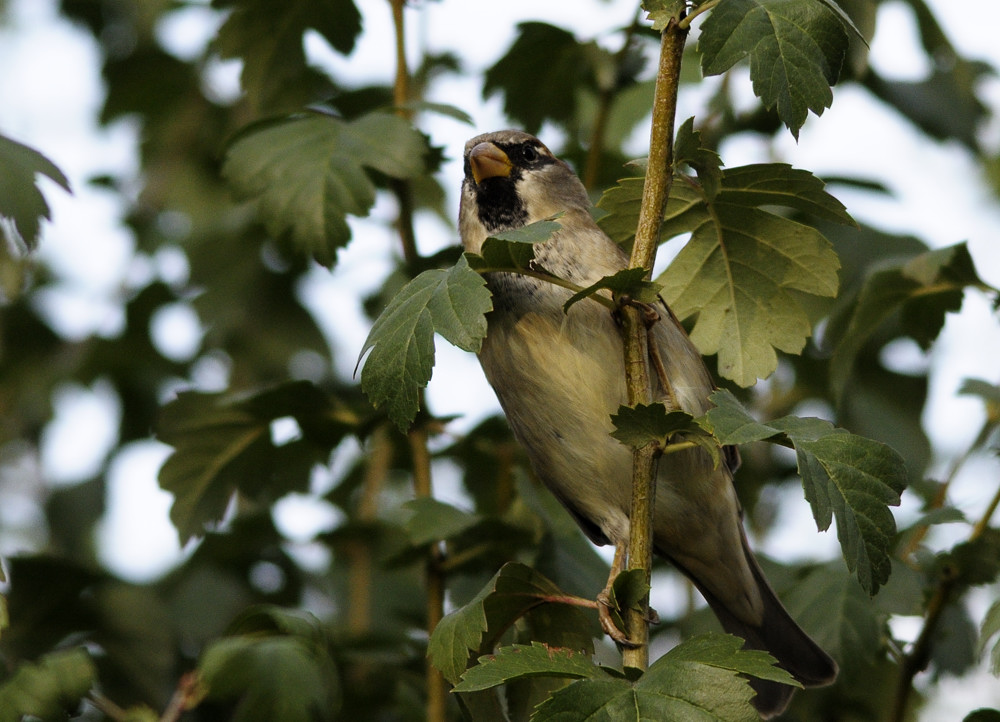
222, 445
843, 475
983, 715
20, 199
268, 38
990, 628
974, 562
539, 75
944, 105
48, 689
922, 287
435, 520
450, 302
280, 672
306, 173
796, 50
840, 617
661, 12
536, 660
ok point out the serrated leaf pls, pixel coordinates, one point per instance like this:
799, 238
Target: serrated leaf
843, 475
989, 629
923, 287
697, 680
222, 445
519, 661
452, 302
629, 282
512, 250
796, 50
305, 174
779, 184
20, 199
435, 520
661, 12
512, 592
269, 40
641, 424
57, 682
741, 273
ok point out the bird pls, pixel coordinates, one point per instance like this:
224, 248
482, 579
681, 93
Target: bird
559, 375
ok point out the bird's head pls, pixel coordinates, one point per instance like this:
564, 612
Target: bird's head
511, 180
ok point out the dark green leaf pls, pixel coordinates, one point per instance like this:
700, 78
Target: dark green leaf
512, 592
983, 715
269, 40
850, 477
452, 302
539, 75
49, 688
923, 287
796, 49
275, 677
307, 173
20, 199
222, 445
434, 520
644, 423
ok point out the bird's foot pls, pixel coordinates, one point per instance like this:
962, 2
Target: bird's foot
606, 613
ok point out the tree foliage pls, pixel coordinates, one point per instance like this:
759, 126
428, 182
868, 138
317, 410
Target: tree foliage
793, 302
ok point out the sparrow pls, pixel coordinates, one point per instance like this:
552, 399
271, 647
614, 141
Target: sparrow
560, 375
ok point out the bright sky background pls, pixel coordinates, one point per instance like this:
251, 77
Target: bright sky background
50, 94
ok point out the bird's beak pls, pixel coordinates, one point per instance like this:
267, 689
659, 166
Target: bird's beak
488, 161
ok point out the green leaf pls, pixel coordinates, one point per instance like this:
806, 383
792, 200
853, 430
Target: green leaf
697, 680
661, 12
519, 661
990, 628
845, 476
222, 445
452, 302
46, 690
275, 677
742, 273
20, 199
923, 288
305, 174
434, 520
513, 250
269, 40
974, 562
796, 50
630, 282
983, 715
510, 594
644, 423
707, 163
539, 75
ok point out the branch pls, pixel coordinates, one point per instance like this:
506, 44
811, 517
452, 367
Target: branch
654, 198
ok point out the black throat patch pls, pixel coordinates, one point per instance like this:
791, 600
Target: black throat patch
498, 205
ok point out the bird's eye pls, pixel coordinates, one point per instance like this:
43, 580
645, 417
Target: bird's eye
529, 153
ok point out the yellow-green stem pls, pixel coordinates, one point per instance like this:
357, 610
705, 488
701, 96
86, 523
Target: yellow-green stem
659, 174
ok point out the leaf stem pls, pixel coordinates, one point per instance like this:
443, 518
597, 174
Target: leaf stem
654, 198
685, 22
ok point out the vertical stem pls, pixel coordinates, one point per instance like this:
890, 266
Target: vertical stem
659, 175
436, 691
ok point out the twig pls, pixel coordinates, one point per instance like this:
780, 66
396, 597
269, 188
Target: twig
654, 198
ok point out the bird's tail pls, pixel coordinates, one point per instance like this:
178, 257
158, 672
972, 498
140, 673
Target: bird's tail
783, 638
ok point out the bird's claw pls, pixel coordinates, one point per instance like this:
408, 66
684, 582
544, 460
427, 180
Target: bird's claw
604, 607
